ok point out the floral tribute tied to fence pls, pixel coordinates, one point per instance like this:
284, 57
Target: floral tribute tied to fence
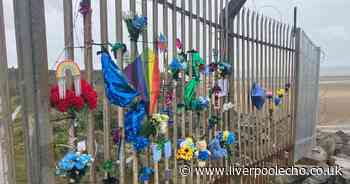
219, 88
139, 89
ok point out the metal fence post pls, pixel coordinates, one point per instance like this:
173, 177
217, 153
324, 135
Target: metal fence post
7, 170
32, 62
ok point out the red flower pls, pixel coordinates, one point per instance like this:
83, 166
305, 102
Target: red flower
54, 96
85, 86
89, 96
62, 105
91, 99
77, 102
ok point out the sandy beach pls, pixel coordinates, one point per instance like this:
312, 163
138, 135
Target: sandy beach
335, 100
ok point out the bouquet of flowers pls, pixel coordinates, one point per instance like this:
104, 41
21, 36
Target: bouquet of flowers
136, 25
74, 166
73, 102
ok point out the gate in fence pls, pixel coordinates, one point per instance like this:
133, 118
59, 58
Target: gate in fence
262, 51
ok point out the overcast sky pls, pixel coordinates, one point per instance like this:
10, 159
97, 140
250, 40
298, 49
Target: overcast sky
326, 22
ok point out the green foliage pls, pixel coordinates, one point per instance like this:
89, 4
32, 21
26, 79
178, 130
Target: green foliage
148, 129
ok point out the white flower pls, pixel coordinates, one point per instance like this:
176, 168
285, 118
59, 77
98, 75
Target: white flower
228, 106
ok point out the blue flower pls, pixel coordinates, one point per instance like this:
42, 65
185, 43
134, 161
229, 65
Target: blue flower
140, 143
74, 160
139, 22
175, 65
200, 103
203, 155
82, 161
70, 156
65, 165
133, 120
145, 174
231, 138
225, 68
217, 152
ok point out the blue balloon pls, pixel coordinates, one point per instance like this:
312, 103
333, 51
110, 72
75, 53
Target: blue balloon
258, 96
277, 100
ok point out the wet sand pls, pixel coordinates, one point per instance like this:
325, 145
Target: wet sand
335, 100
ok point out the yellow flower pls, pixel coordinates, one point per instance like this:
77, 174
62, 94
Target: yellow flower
188, 143
184, 154
280, 92
225, 135
161, 117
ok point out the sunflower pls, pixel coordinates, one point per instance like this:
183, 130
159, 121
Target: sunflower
184, 154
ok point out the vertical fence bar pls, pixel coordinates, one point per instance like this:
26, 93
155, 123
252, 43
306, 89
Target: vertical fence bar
133, 55
210, 78
174, 104
293, 43
258, 79
252, 80
290, 141
243, 68
106, 105
68, 28
33, 67
285, 104
183, 39
260, 114
248, 34
226, 57
202, 122
119, 33
278, 83
263, 54
89, 77
165, 66
190, 47
232, 91
145, 33
155, 49
144, 48
238, 86
69, 52
7, 163
216, 45
268, 74
249, 126
272, 63
197, 39
243, 62
198, 124
263, 80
